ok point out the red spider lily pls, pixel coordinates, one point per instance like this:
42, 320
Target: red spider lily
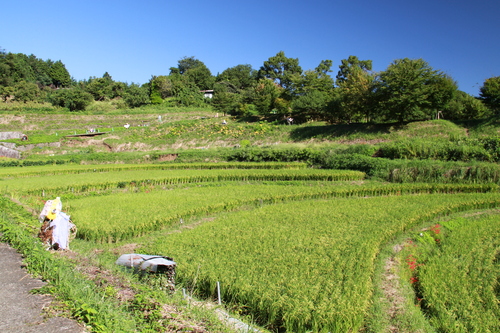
412, 262
436, 229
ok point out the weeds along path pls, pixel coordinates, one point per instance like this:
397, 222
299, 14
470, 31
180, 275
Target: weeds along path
22, 311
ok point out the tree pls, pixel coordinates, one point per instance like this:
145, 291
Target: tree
118, 89
317, 79
59, 74
26, 91
350, 65
20, 67
464, 107
310, 106
411, 90
196, 71
266, 97
74, 99
6, 92
41, 70
185, 92
490, 93
240, 76
226, 99
15, 68
100, 87
281, 70
161, 87
135, 96
355, 98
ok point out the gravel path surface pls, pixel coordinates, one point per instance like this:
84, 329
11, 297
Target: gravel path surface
20, 311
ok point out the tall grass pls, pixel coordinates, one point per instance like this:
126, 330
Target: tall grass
83, 298
302, 266
454, 272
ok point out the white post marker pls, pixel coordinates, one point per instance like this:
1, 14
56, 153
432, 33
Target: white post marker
218, 293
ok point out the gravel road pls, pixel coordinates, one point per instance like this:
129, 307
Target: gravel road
21, 312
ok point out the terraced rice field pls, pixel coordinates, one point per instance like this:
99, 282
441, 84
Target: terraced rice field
294, 249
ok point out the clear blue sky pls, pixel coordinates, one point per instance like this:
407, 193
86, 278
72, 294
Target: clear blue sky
133, 40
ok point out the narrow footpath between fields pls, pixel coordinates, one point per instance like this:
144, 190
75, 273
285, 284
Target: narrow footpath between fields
22, 312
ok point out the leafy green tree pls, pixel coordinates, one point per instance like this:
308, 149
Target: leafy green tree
15, 68
412, 90
135, 96
226, 98
41, 70
27, 91
5, 79
355, 97
161, 87
118, 89
281, 70
240, 76
187, 63
489, 93
310, 106
201, 77
266, 98
20, 67
349, 66
185, 92
464, 107
74, 99
196, 72
59, 74
6, 92
317, 79
99, 87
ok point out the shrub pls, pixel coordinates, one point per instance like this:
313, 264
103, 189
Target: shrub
73, 99
369, 165
309, 155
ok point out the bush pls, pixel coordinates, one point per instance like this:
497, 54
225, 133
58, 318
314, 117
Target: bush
309, 155
445, 150
372, 166
73, 99
136, 96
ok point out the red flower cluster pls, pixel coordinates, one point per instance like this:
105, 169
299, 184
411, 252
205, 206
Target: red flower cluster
412, 262
436, 229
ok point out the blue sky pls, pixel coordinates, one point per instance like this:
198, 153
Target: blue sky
133, 40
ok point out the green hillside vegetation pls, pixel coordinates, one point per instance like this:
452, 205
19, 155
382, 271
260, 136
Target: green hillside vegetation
274, 245
365, 203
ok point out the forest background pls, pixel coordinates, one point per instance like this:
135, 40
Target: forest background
408, 90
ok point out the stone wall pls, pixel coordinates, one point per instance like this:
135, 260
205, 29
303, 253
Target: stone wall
10, 135
7, 152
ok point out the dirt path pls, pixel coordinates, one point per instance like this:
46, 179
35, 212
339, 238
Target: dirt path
21, 311
391, 290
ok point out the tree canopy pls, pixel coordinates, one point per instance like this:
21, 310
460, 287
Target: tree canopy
490, 93
412, 90
196, 72
282, 70
409, 89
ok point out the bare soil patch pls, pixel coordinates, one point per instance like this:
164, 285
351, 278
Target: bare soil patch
392, 290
